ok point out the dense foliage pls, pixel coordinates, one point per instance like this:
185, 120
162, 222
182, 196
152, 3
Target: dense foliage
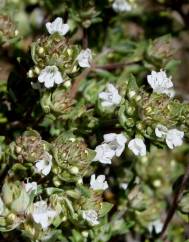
94, 120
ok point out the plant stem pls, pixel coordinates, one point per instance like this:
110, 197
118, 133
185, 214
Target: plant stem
112, 66
174, 205
84, 74
75, 86
85, 39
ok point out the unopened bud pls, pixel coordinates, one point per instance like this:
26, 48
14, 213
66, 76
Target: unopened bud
18, 149
11, 218
67, 84
37, 70
85, 234
74, 170
16, 32
138, 98
130, 122
30, 74
131, 94
130, 110
56, 182
157, 183
69, 51
74, 69
41, 50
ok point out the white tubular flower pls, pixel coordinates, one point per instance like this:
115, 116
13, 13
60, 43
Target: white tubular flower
157, 225
160, 83
98, 183
44, 165
91, 217
116, 142
84, 58
137, 146
104, 154
161, 131
50, 76
121, 6
42, 214
57, 26
110, 97
30, 186
174, 138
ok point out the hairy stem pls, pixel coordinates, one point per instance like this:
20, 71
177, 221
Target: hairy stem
75, 86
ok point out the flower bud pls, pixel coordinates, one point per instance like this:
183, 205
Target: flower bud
57, 50
56, 181
74, 170
28, 147
130, 122
131, 94
72, 157
7, 28
41, 50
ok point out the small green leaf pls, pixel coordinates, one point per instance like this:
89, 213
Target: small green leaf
105, 208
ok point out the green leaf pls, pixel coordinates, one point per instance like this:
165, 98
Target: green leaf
52, 190
105, 208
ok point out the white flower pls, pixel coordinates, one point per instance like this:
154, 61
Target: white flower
111, 97
137, 146
84, 58
98, 183
174, 138
116, 142
157, 225
104, 154
161, 131
121, 6
113, 145
42, 214
160, 83
91, 216
124, 186
57, 26
30, 186
44, 165
50, 76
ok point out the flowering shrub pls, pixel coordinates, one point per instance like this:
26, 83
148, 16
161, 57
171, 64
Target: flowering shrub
94, 130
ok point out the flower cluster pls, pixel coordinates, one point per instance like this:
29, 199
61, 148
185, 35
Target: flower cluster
45, 53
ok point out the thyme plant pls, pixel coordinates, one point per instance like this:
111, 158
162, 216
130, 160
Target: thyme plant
94, 128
